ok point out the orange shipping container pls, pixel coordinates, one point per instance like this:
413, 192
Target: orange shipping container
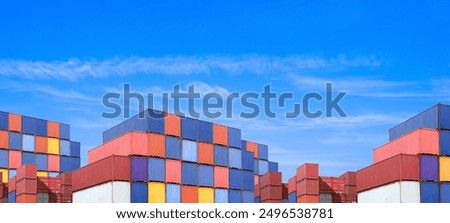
15, 123
172, 125
53, 129
26, 198
421, 141
220, 134
53, 163
15, 159
133, 143
156, 145
308, 199
221, 177
189, 194
173, 171
4, 140
41, 144
205, 153
253, 147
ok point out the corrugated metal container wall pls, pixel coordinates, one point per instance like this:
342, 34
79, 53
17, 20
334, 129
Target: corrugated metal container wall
429, 192
292, 184
235, 196
221, 177
220, 156
65, 163
64, 131
41, 144
205, 153
235, 160
111, 192
4, 159
429, 168
42, 198
349, 178
173, 147
189, 151
308, 171
205, 195
189, 194
325, 198
263, 167
273, 167
221, 196
139, 192
53, 163
42, 162
271, 193
41, 127
253, 147
64, 147
4, 140
28, 158
156, 145
444, 142
189, 173
257, 200
28, 125
5, 174
173, 193
15, 159
308, 186
12, 197
263, 152
273, 179
220, 134
28, 143
292, 197
444, 168
244, 145
445, 193
247, 161
173, 171
172, 125
189, 128
15, 141
234, 138
4, 121
139, 168
248, 180
75, 149
53, 129
155, 121
308, 199
156, 169
205, 131
205, 176
53, 146
247, 197
397, 192
235, 181
15, 122
156, 192
421, 141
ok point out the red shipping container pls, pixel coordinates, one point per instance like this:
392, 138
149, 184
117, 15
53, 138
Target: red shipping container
66, 189
285, 191
41, 144
26, 186
189, 194
221, 177
205, 153
156, 145
271, 178
349, 178
253, 147
48, 185
272, 201
15, 123
26, 198
351, 199
308, 199
397, 168
113, 168
338, 198
15, 159
256, 179
308, 186
271, 193
220, 134
4, 140
350, 190
421, 141
53, 129
308, 171
173, 171
292, 184
172, 125
27, 171
329, 185
53, 163
257, 191
12, 184
66, 178
133, 143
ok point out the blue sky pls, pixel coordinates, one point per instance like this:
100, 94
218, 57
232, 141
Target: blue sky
58, 59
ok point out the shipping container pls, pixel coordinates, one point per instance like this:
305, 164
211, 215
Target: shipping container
12, 197
53, 174
28, 158
429, 192
42, 174
205, 175
189, 151
15, 141
235, 196
263, 152
220, 134
4, 158
26, 198
189, 128
273, 167
444, 169
173, 171
205, 195
247, 197
64, 131
235, 179
41, 144
28, 125
220, 156
173, 147
156, 192
221, 177
111, 192
52, 129
397, 192
139, 192
429, 168
444, 136
42, 198
248, 180
12, 173
4, 140
247, 161
133, 143
234, 138
53, 146
156, 145
308, 199
53, 163
271, 193
156, 169
349, 178
325, 198
292, 184
65, 164
173, 192
42, 162
205, 132
257, 200
64, 147
330, 185
235, 158
205, 153
308, 186
15, 122
139, 168
271, 179
221, 196
4, 121
75, 149
263, 167
292, 197
28, 143
41, 128
244, 145
172, 125
189, 194
257, 190
11, 184
308, 171
189, 173
445, 193
398, 168
26, 186
253, 147
5, 174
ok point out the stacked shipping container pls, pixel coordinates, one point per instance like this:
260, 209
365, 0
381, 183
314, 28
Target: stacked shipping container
271, 188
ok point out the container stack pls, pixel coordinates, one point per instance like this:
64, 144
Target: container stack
331, 190
26, 184
27, 140
307, 186
350, 193
271, 188
292, 190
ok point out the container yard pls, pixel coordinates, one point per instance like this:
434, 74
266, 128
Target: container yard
165, 158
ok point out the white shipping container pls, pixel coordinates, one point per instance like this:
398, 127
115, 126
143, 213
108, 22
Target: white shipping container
398, 192
111, 192
325, 198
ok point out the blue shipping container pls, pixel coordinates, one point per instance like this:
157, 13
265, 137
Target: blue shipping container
12, 173
139, 192
64, 147
4, 121
235, 160
263, 152
444, 142
205, 132
156, 169
76, 163
15, 141
28, 125
189, 151
173, 147
235, 196
53, 174
206, 176
12, 197
65, 164
155, 121
220, 196
189, 128
234, 138
220, 155
42, 162
292, 197
28, 158
273, 167
257, 200
248, 180
139, 168
235, 179
4, 160
41, 127
75, 149
189, 174
244, 145
445, 192
248, 197
28, 143
263, 167
247, 161
173, 193
64, 131
429, 192
255, 166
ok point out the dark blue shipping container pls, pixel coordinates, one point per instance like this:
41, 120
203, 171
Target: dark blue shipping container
205, 132
445, 192
189, 174
273, 167
41, 127
248, 197
206, 176
64, 147
15, 141
156, 169
12, 197
429, 192
292, 197
247, 160
65, 164
244, 145
139, 192
257, 200
173, 147
4, 159
4, 121
75, 149
28, 125
76, 163
255, 166
64, 131
189, 128
220, 155
29, 158
444, 142
263, 152
235, 196
234, 138
42, 162
235, 179
139, 168
436, 117
248, 181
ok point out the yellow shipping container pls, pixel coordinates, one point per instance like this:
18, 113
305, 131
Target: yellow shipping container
156, 192
444, 168
5, 175
53, 146
42, 174
205, 195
